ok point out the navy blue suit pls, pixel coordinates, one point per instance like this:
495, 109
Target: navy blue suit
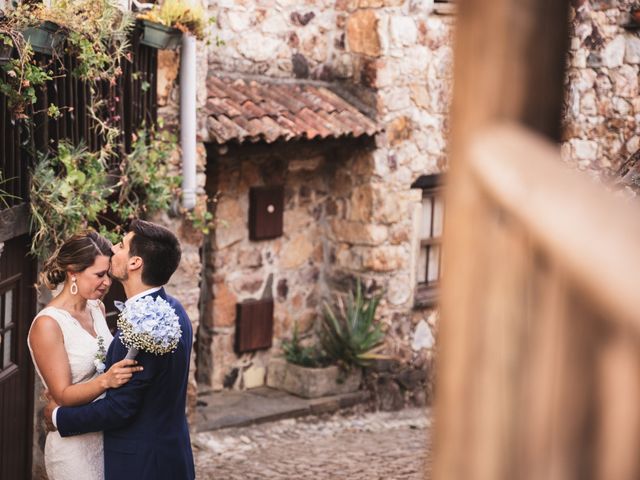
145, 428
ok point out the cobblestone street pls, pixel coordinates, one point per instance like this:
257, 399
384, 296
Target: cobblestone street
382, 445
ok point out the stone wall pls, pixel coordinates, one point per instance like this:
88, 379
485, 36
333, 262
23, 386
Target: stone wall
280, 38
329, 240
372, 230
602, 104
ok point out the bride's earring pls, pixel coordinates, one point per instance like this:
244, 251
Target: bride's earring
74, 286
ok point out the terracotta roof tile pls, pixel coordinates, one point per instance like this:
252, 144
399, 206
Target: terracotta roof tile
251, 110
264, 110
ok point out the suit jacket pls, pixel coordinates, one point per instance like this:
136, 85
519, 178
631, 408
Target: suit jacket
146, 435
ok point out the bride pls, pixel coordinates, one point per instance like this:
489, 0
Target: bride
68, 341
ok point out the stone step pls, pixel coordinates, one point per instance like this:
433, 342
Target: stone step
231, 408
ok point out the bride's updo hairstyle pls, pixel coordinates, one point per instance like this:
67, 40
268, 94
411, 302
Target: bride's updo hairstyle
76, 254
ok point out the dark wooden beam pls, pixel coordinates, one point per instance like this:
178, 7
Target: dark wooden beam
14, 222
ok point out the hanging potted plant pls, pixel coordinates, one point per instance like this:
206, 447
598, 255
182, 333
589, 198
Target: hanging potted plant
93, 31
27, 22
163, 26
22, 78
6, 47
46, 37
160, 36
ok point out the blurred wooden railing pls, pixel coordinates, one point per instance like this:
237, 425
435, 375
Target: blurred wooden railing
539, 344
546, 350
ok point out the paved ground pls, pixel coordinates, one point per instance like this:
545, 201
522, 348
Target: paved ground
356, 446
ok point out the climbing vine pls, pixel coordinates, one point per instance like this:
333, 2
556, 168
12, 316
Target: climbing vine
73, 189
73, 186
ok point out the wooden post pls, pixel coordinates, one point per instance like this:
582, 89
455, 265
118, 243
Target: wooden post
509, 67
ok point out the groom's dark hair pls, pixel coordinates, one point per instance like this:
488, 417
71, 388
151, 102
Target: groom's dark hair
159, 249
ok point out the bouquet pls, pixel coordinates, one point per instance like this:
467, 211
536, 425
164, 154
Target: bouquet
151, 325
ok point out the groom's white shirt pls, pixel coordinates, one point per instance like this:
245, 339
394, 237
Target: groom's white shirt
126, 303
141, 294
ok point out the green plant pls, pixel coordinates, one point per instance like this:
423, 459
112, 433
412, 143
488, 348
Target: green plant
23, 77
73, 189
201, 219
145, 184
306, 356
98, 32
187, 16
68, 192
351, 337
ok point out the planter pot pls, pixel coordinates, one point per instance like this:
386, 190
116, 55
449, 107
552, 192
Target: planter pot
311, 382
161, 37
44, 38
5, 53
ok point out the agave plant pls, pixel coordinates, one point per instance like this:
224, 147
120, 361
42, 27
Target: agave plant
306, 356
351, 337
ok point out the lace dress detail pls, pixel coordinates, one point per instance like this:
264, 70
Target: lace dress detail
80, 456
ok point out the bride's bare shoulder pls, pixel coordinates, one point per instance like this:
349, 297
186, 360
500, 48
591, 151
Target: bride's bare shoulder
45, 326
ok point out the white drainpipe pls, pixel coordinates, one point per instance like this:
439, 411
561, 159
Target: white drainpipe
188, 119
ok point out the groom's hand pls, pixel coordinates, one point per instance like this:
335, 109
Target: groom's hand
48, 413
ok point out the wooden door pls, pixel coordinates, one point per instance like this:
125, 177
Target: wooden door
539, 359
17, 303
17, 308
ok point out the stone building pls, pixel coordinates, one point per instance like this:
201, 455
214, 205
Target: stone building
358, 203
341, 106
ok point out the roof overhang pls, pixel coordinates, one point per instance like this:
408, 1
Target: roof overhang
244, 109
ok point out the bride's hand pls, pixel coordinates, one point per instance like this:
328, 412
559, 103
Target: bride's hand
120, 373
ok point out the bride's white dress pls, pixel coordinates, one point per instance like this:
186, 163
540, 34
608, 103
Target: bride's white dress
80, 456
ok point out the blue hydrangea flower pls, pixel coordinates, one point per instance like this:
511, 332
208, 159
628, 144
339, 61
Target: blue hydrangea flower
150, 324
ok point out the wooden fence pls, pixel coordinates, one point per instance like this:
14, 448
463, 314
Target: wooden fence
539, 363
136, 106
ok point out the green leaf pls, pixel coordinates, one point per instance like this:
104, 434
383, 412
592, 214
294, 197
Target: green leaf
352, 337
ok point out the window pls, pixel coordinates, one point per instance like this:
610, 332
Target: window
7, 329
430, 237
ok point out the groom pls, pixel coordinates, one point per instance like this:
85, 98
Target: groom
146, 436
